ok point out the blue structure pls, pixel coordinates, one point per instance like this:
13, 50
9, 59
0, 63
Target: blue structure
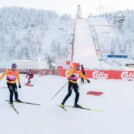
117, 56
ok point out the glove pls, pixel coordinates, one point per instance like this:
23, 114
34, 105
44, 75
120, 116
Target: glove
73, 75
88, 81
19, 86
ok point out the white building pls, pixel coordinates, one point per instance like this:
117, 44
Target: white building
29, 64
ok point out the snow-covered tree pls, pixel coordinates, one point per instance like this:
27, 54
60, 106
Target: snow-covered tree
29, 33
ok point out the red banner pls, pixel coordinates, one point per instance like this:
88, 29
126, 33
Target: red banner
104, 74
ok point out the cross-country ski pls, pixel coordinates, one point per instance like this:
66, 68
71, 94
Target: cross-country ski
85, 108
26, 102
62, 108
13, 107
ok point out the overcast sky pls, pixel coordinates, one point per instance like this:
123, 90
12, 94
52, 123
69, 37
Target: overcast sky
70, 6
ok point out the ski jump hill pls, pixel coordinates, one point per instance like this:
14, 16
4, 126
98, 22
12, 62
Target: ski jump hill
84, 48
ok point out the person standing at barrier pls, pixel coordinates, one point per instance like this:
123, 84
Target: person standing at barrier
30, 76
83, 72
74, 74
12, 75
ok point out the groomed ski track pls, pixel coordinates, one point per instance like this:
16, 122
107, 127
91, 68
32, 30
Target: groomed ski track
116, 102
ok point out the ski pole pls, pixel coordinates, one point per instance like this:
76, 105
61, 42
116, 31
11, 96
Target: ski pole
59, 90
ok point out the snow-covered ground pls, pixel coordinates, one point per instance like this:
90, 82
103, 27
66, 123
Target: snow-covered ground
116, 104
89, 53
106, 36
84, 49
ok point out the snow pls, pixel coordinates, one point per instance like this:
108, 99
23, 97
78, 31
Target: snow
84, 46
89, 53
99, 21
105, 36
116, 104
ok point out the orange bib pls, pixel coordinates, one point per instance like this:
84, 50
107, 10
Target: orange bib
12, 75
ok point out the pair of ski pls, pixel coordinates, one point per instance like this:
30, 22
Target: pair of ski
83, 108
12, 105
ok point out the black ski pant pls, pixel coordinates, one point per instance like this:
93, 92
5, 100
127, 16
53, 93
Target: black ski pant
13, 90
72, 86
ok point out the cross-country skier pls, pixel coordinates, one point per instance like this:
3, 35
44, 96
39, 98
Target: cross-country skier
12, 75
74, 74
30, 76
83, 72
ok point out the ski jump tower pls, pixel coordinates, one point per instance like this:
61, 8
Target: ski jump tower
78, 14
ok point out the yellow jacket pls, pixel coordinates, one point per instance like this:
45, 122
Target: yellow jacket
76, 74
11, 76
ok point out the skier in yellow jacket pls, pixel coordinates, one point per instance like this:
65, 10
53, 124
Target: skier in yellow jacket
74, 74
12, 75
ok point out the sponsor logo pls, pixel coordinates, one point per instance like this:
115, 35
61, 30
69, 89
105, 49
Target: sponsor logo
99, 74
127, 75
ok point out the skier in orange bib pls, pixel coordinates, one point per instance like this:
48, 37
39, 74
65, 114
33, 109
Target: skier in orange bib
74, 74
12, 75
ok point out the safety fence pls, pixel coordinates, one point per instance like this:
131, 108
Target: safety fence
95, 74
41, 72
104, 74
